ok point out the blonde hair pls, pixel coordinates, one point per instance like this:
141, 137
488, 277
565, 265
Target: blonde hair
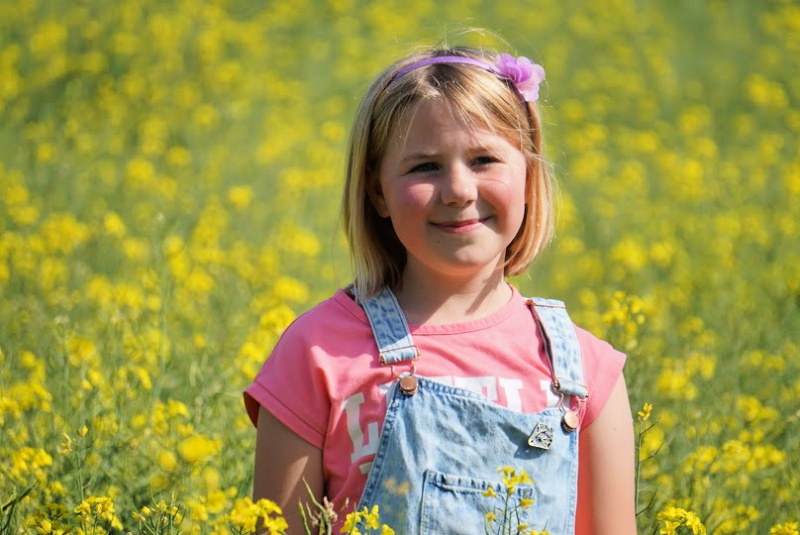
481, 99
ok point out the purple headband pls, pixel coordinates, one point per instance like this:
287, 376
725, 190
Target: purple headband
523, 74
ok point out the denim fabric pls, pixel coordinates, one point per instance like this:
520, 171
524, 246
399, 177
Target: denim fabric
389, 327
563, 341
440, 450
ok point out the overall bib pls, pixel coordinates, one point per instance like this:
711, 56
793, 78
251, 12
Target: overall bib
441, 446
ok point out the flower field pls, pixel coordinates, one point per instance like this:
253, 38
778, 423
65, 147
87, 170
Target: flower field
170, 172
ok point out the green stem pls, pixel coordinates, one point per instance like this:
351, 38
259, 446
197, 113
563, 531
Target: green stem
638, 462
80, 473
505, 514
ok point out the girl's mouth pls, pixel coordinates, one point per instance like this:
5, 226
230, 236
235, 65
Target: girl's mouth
461, 227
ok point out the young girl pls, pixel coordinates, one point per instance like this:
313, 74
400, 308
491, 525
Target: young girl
411, 387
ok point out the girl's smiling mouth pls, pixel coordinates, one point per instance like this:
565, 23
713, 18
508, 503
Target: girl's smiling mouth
461, 226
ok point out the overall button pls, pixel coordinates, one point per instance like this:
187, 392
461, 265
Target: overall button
570, 421
408, 385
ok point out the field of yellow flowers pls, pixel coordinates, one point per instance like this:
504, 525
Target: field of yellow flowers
169, 181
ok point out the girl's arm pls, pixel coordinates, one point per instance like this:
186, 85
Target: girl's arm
283, 460
606, 495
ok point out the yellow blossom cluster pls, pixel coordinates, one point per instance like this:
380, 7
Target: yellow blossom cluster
97, 510
515, 501
245, 516
365, 521
675, 518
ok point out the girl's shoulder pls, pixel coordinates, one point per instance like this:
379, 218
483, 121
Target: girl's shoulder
597, 347
602, 368
337, 311
300, 377
591, 346
334, 318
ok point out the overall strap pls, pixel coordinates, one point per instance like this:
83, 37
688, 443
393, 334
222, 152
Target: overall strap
389, 327
561, 344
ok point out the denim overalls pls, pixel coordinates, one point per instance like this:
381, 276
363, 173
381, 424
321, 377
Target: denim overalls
441, 446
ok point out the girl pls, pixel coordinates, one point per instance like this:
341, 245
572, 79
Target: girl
410, 388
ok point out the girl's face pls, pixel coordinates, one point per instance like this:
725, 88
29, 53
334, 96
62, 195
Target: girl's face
455, 195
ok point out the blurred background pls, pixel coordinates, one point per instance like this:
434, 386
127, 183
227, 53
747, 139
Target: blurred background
170, 175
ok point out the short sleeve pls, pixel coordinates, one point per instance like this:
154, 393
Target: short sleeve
602, 368
291, 385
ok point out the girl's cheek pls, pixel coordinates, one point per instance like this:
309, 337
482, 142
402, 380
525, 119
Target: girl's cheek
504, 194
416, 194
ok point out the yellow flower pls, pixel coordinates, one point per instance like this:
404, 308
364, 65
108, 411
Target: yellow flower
179, 156
350, 522
268, 507
526, 503
240, 197
644, 414
46, 525
276, 526
216, 500
675, 517
489, 493
98, 507
198, 448
512, 478
65, 447
244, 515
371, 518
113, 225
198, 512
789, 528
48, 38
167, 461
140, 172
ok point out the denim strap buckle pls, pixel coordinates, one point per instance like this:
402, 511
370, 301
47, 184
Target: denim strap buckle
561, 344
389, 327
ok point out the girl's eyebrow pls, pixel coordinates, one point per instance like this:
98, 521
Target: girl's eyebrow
418, 156
483, 147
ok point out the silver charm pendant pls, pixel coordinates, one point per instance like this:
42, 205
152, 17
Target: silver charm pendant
542, 437
408, 385
570, 421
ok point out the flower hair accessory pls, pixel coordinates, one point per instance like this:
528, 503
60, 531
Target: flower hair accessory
524, 75
522, 72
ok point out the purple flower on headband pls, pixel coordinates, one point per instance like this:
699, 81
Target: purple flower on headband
522, 72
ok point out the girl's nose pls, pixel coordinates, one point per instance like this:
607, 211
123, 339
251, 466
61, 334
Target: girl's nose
458, 186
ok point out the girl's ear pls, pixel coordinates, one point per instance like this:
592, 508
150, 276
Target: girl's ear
376, 198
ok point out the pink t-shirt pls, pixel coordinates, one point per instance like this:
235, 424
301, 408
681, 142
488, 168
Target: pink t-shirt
324, 382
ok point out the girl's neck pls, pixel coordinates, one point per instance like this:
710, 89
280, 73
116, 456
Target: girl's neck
437, 301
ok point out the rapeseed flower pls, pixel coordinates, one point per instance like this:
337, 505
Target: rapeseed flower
673, 518
167, 461
240, 197
788, 528
96, 512
512, 478
198, 448
366, 518
644, 414
113, 225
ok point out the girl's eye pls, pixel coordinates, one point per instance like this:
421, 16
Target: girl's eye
485, 160
423, 167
